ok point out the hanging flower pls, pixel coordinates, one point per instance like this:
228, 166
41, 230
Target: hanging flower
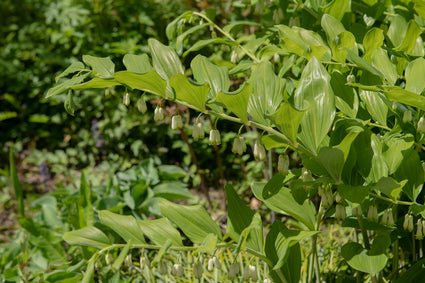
158, 114
283, 164
176, 122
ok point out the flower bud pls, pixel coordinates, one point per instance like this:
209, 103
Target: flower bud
215, 137
306, 175
177, 270
351, 79
419, 234
338, 198
144, 261
421, 125
128, 261
162, 267
233, 270
407, 116
372, 213
176, 122
210, 265
141, 105
259, 151
384, 219
234, 58
276, 57
126, 99
158, 114
109, 259
217, 262
340, 212
406, 222
357, 211
410, 224
197, 269
267, 281
283, 164
246, 273
253, 273
390, 218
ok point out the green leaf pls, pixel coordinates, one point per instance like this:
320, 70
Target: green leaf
205, 71
337, 9
149, 82
239, 218
403, 96
89, 274
7, 115
332, 27
382, 63
359, 259
124, 225
209, 245
344, 41
415, 273
389, 187
379, 168
102, 66
180, 38
267, 92
237, 101
88, 236
85, 208
410, 37
62, 87
194, 221
411, 169
16, 184
288, 120
346, 99
315, 94
282, 201
414, 76
190, 92
272, 141
171, 191
164, 248
159, 231
69, 103
332, 159
121, 257
397, 29
380, 244
198, 45
74, 67
395, 145
138, 64
96, 83
355, 194
373, 39
361, 63
165, 60
375, 105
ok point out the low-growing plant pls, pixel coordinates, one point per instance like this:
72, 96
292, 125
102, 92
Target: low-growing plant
344, 93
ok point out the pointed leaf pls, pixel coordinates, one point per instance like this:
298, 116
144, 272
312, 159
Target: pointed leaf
165, 60
96, 83
389, 187
190, 92
358, 258
382, 63
395, 146
288, 120
411, 35
337, 9
403, 96
272, 141
361, 63
149, 82
102, 66
414, 76
138, 64
355, 194
74, 67
375, 105
373, 39
346, 99
209, 245
159, 231
88, 236
69, 103
237, 101
194, 221
121, 257
124, 225
267, 92
240, 217
208, 42
315, 94
332, 159
62, 87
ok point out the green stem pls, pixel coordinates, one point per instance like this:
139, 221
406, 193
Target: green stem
229, 36
364, 232
391, 200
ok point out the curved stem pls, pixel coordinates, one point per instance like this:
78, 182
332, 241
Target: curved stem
391, 200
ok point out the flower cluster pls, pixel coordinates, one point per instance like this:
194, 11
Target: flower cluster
198, 132
215, 137
176, 122
259, 151
239, 145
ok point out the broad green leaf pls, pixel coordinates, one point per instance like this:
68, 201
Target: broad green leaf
397, 30
194, 221
240, 217
62, 87
337, 9
379, 168
373, 39
74, 67
272, 141
414, 76
359, 259
346, 99
209, 245
180, 38
121, 257
138, 64
332, 27
411, 169
159, 231
383, 64
124, 225
410, 37
288, 120
85, 208
345, 144
164, 248
315, 94
69, 103
395, 145
355, 194
332, 159
403, 96
375, 105
172, 28
208, 42
283, 202
96, 83
267, 92
389, 187
190, 92
380, 244
171, 191
228, 28
237, 101
205, 71
361, 63
88, 236
416, 273
345, 40
16, 184
165, 60
8, 115
89, 273
102, 66
149, 82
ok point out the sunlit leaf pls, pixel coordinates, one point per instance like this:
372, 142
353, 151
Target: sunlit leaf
237, 101
190, 92
373, 39
346, 99
88, 236
138, 64
102, 66
96, 83
160, 230
409, 40
414, 76
383, 64
288, 120
165, 60
124, 225
359, 259
62, 87
375, 105
149, 82
73, 68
